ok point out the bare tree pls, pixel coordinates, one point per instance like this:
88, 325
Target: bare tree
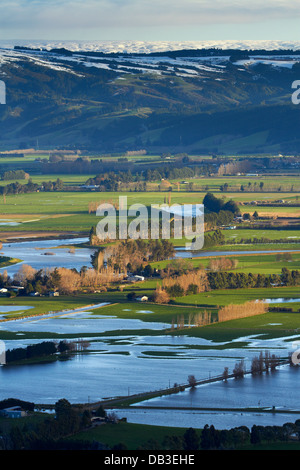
192, 381
239, 369
225, 374
25, 274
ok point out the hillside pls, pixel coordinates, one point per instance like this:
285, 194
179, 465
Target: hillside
206, 101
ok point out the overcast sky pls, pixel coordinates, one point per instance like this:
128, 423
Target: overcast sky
149, 20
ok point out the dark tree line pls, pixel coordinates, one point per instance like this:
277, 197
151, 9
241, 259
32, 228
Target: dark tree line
234, 280
50, 433
30, 187
14, 175
10, 402
109, 181
223, 217
214, 239
46, 348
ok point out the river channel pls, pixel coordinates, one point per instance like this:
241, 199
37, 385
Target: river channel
56, 253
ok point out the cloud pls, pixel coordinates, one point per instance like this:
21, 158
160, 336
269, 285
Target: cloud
58, 16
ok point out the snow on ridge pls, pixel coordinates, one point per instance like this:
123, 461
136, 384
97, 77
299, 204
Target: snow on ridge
184, 66
151, 46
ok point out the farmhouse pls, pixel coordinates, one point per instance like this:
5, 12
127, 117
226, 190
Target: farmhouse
53, 294
13, 412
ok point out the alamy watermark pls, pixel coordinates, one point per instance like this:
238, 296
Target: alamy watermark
295, 357
2, 92
296, 94
163, 221
2, 353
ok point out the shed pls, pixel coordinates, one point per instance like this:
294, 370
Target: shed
13, 412
144, 298
53, 294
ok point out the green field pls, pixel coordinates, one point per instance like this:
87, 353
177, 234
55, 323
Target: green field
133, 436
252, 233
227, 296
258, 263
68, 211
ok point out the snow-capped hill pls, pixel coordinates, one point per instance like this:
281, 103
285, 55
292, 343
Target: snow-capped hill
147, 47
185, 59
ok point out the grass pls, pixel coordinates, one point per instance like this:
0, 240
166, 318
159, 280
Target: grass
30, 422
222, 297
43, 305
134, 436
278, 234
6, 261
69, 210
146, 312
263, 263
131, 434
271, 325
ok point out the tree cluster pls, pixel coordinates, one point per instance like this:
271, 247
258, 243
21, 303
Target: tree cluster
214, 239
214, 220
46, 348
111, 180
185, 284
30, 187
14, 175
131, 255
51, 432
214, 204
240, 280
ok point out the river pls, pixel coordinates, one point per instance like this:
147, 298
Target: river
47, 253
53, 253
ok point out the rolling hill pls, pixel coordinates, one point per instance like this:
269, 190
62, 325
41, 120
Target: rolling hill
211, 100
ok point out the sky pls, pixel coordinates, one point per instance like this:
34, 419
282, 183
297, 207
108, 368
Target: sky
150, 20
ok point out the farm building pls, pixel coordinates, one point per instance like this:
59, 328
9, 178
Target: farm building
13, 412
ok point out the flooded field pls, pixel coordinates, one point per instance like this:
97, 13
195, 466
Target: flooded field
124, 364
127, 356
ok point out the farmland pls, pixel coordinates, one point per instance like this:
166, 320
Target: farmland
110, 328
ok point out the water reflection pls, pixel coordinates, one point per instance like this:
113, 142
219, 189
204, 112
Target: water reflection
198, 419
122, 364
36, 254
275, 389
33, 253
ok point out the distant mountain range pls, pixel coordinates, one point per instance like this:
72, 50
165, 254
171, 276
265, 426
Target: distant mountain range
223, 98
147, 47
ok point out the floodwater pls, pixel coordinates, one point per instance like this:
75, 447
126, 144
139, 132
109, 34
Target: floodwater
122, 364
281, 300
119, 363
198, 419
50, 253
47, 253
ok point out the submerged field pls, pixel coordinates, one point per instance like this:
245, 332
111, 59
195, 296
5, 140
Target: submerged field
124, 347
118, 307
